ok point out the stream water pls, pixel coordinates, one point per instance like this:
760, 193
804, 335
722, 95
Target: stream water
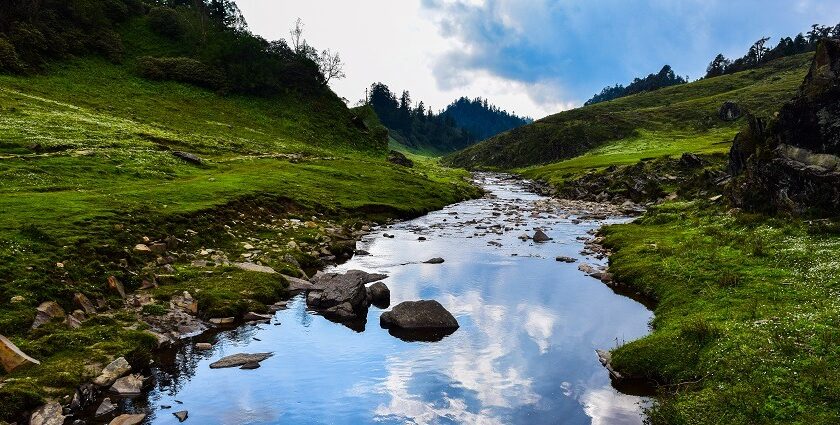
524, 352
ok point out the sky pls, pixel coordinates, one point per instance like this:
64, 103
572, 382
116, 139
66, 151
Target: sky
531, 57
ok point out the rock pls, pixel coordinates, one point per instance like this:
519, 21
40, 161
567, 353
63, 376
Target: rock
116, 286
251, 316
379, 295
398, 158
436, 260
222, 320
48, 414
361, 253
540, 237
334, 292
84, 303
182, 415
587, 268
250, 366
11, 357
142, 248
84, 396
690, 160
251, 267
72, 322
185, 302
186, 156
107, 407
563, 259
418, 315
128, 386
158, 248
46, 312
524, 237
136, 419
17, 299
203, 346
237, 360
605, 357
297, 284
729, 111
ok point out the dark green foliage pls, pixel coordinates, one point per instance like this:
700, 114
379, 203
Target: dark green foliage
664, 78
9, 60
184, 70
481, 119
167, 22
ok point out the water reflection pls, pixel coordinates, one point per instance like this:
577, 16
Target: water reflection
524, 352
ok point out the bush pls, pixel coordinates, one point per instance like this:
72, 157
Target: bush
9, 60
109, 44
184, 70
166, 22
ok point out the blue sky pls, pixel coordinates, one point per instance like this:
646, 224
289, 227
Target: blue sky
533, 57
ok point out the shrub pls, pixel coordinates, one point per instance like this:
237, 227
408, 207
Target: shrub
166, 22
9, 60
185, 70
109, 44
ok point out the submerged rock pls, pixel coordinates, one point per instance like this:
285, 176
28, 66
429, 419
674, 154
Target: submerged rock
419, 321
436, 260
11, 357
237, 360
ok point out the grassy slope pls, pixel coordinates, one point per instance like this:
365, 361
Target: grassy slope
668, 121
102, 176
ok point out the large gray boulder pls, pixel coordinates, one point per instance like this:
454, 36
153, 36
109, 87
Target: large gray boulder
343, 296
11, 357
425, 320
48, 414
379, 295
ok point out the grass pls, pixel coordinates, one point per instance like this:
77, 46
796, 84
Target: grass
747, 323
684, 117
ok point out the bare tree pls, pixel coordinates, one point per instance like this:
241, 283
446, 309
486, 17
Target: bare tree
331, 66
296, 34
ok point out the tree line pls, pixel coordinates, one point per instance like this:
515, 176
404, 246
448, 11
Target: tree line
664, 78
759, 53
461, 124
214, 46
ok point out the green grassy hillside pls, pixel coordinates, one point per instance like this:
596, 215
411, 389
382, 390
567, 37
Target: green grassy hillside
664, 122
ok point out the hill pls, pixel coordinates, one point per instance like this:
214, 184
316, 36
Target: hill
482, 119
664, 122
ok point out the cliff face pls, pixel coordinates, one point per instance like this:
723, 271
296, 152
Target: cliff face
793, 164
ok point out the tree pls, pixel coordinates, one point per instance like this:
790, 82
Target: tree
296, 36
758, 51
331, 66
718, 66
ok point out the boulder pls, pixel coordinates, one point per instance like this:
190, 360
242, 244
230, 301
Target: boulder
49, 414
237, 360
203, 346
115, 370
298, 284
136, 419
398, 158
729, 111
182, 415
563, 259
419, 321
128, 386
540, 237
116, 286
252, 317
379, 295
11, 357
186, 156
436, 260
333, 293
251, 267
84, 303
106, 407
47, 312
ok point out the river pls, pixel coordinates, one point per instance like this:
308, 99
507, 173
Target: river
524, 353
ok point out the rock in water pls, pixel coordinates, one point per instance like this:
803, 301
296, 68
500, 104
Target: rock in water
46, 312
729, 111
419, 321
128, 419
115, 370
379, 295
182, 415
398, 158
436, 260
342, 296
540, 237
128, 386
11, 357
237, 360
107, 407
48, 414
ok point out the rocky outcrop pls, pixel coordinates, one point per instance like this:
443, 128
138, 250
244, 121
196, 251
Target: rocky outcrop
11, 357
793, 164
419, 321
398, 158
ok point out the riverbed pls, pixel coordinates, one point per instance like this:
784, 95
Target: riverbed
525, 351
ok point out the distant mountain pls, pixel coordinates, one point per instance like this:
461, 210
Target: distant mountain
482, 119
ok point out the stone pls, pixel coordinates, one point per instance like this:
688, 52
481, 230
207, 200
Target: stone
250, 366
72, 322
203, 346
158, 248
116, 369
185, 302
379, 295
436, 260
423, 314
605, 357
297, 284
188, 157
251, 267
251, 317
729, 111
142, 248
128, 386
107, 407
49, 414
237, 360
398, 158
182, 415
47, 312
222, 320
540, 237
690, 160
83, 302
563, 259
127, 419
11, 357
334, 292
116, 286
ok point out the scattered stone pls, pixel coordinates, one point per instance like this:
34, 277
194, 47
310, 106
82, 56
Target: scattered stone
341, 295
46, 312
116, 286
135, 419
128, 386
11, 357
540, 237
379, 295
72, 322
182, 415
251, 267
186, 156
563, 259
524, 237
421, 238
185, 302
436, 260
142, 248
203, 346
237, 360
222, 320
418, 315
251, 317
84, 303
106, 408
48, 414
